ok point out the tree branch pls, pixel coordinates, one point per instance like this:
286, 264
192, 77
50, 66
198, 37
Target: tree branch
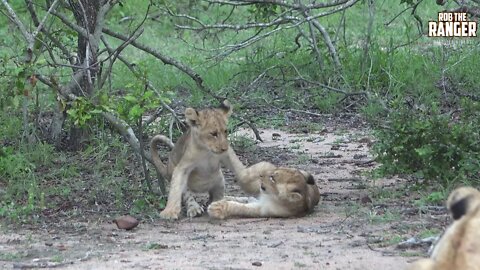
132, 69
14, 18
166, 60
40, 25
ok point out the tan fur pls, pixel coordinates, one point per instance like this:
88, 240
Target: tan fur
283, 192
194, 162
459, 247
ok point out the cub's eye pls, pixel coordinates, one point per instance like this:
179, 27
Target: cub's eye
225, 131
272, 179
296, 190
214, 134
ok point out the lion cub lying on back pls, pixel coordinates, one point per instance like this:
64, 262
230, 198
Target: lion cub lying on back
459, 247
283, 192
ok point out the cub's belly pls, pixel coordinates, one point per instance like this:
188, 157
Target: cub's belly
201, 181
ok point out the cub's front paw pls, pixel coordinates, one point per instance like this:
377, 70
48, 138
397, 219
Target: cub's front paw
194, 209
170, 213
218, 209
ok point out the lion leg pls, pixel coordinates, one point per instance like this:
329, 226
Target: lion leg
223, 209
217, 192
249, 178
193, 208
240, 199
423, 264
177, 187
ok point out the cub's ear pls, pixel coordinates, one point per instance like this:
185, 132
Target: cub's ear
459, 208
192, 117
310, 180
462, 200
308, 177
226, 108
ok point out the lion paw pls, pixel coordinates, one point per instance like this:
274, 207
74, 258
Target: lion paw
218, 209
170, 213
194, 209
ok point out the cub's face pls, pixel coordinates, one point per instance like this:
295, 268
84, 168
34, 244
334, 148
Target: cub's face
458, 246
287, 184
210, 126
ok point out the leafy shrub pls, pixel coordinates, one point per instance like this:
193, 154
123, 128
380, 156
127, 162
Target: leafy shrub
432, 145
23, 195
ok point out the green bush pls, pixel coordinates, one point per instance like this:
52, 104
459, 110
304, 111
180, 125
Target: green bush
23, 195
432, 145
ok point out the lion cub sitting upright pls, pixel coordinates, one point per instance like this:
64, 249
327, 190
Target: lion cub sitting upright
459, 247
282, 192
194, 162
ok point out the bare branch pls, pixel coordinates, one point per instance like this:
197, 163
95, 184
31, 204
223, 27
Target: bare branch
328, 42
333, 89
137, 32
127, 132
48, 35
251, 40
278, 2
153, 117
166, 60
132, 68
346, 5
281, 19
14, 18
282, 22
80, 30
40, 25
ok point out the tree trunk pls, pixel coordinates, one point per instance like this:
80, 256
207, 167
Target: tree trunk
85, 13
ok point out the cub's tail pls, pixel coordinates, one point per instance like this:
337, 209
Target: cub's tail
157, 162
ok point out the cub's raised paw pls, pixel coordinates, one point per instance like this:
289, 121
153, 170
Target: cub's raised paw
169, 213
218, 209
194, 209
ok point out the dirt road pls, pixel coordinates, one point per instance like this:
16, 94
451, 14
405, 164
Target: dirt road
352, 228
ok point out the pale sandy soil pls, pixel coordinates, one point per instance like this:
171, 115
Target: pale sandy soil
338, 235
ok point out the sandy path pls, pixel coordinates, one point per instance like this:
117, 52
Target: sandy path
327, 239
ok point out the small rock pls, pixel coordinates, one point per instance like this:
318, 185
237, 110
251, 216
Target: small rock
365, 140
61, 247
126, 222
365, 200
256, 263
335, 147
318, 139
276, 136
359, 156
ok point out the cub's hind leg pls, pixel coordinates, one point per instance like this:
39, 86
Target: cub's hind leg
217, 192
193, 208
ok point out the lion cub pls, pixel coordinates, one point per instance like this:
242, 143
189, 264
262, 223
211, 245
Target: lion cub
459, 247
283, 192
194, 162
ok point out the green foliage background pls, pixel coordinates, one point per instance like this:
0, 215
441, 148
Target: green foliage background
421, 98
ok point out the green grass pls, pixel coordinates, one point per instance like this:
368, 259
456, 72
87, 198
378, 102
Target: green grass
385, 216
412, 254
12, 256
243, 142
428, 233
394, 239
